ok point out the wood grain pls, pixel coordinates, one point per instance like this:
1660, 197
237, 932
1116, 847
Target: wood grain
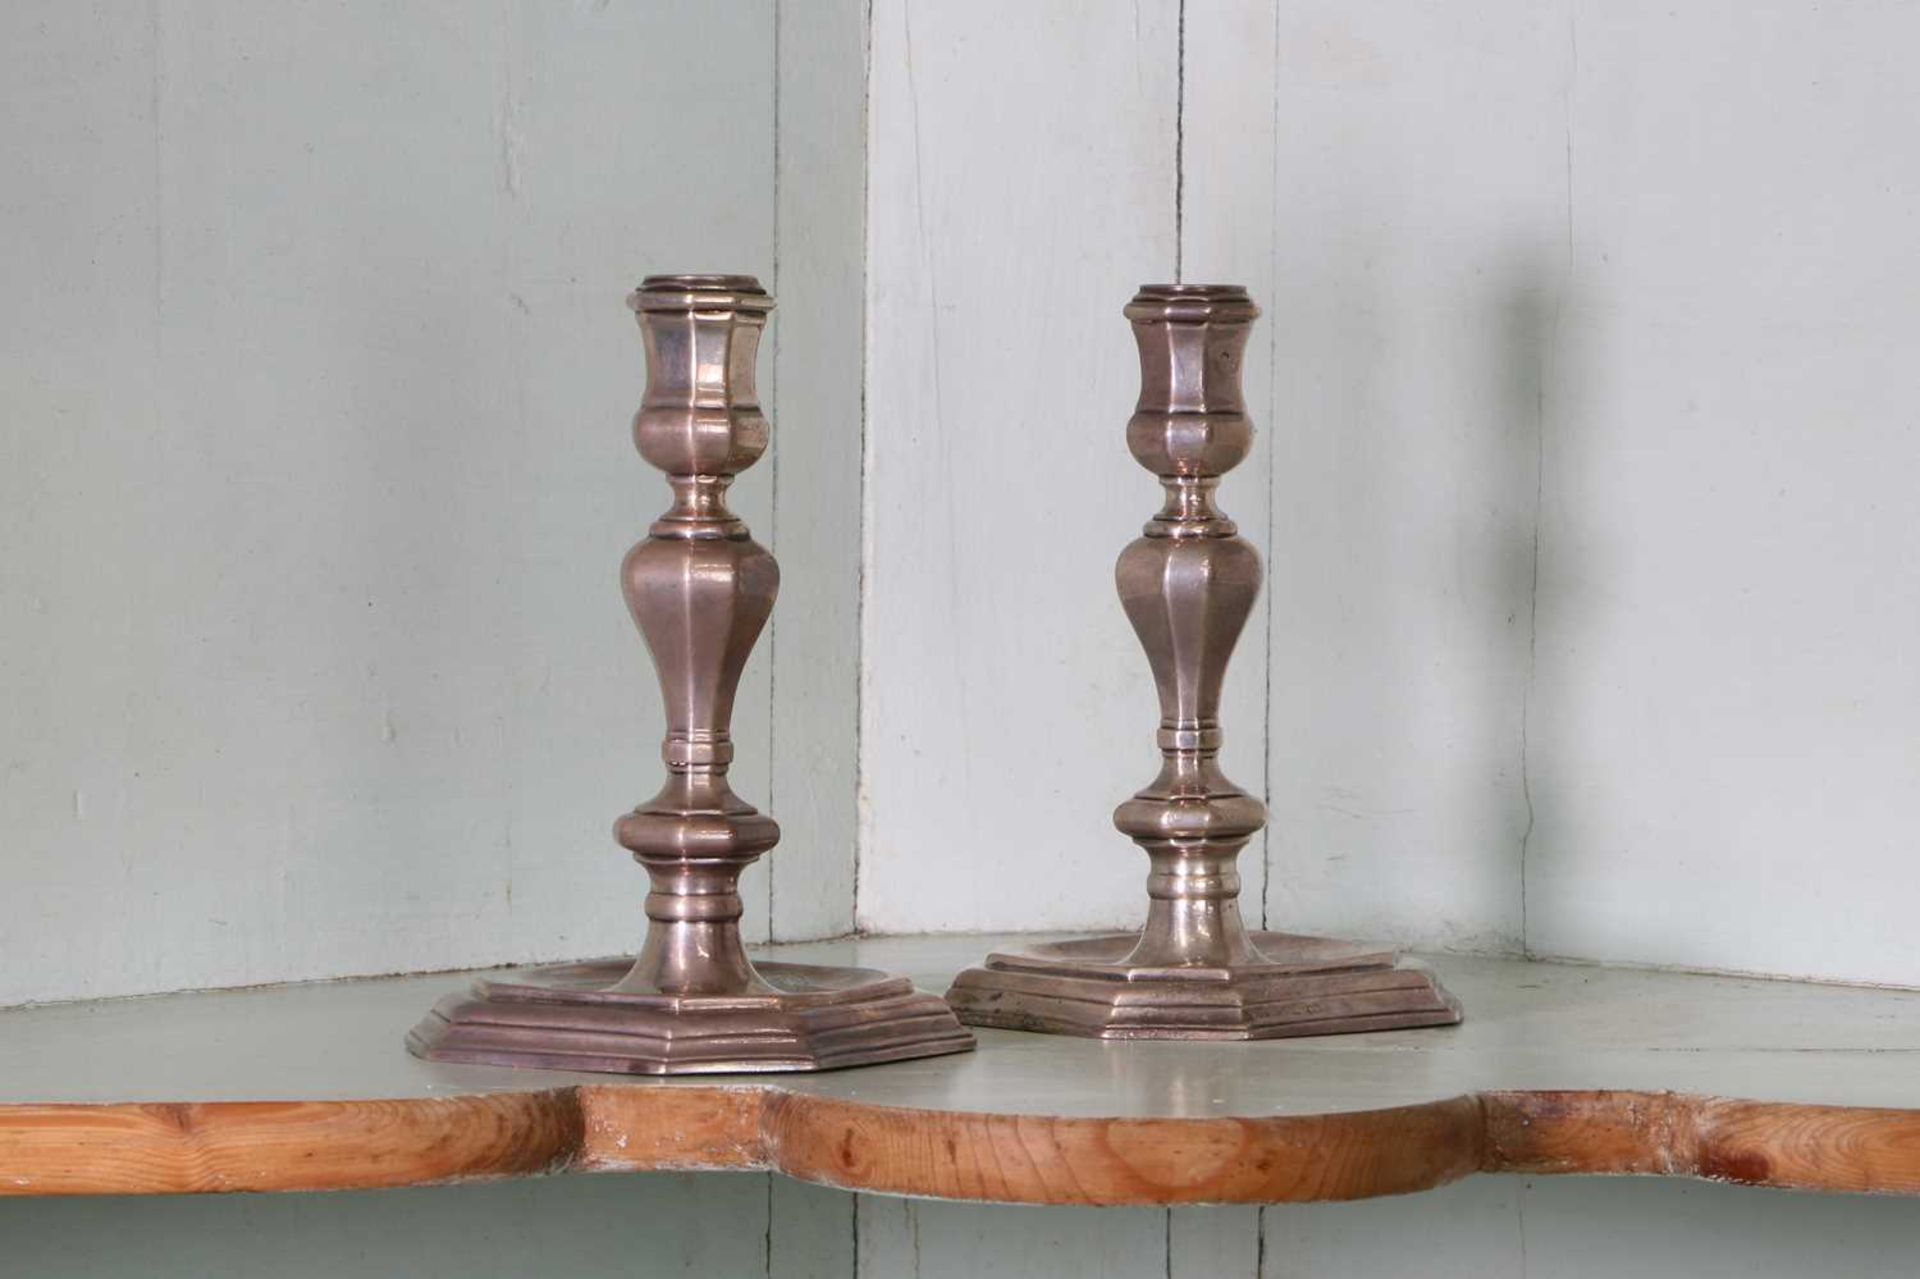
212, 1147
1800, 1147
215, 1147
1044, 1160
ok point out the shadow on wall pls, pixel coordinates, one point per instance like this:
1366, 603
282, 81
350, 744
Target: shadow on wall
1546, 358
1530, 365
1412, 408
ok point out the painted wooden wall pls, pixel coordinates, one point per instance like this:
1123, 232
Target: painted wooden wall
1583, 484
1580, 485
314, 382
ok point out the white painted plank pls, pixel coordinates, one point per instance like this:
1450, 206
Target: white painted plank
1226, 231
1021, 185
819, 345
1419, 212
1725, 760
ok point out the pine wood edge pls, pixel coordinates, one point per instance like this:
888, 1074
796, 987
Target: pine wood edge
217, 1147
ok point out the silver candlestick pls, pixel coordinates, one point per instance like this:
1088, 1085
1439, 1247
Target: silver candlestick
1188, 585
700, 589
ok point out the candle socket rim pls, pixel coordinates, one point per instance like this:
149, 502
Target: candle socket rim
1227, 292
701, 293
1191, 304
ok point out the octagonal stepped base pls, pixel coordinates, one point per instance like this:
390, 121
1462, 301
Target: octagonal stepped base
808, 1017
1306, 986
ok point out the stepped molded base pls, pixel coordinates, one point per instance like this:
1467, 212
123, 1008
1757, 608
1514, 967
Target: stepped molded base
567, 1017
1305, 986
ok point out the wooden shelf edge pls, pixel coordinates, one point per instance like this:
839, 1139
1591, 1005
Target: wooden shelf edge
215, 1147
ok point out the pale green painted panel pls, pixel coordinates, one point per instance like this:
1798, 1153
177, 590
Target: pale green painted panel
315, 478
1213, 1243
660, 1225
1469, 1230
636, 1227
921, 1239
1595, 1228
1582, 1227
813, 1232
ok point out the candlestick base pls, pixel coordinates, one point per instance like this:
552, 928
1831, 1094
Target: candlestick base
1304, 986
802, 1017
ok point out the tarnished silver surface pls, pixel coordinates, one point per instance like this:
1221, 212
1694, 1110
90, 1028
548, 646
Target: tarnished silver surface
700, 589
1188, 584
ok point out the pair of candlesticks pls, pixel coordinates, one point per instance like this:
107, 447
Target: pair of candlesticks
700, 590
